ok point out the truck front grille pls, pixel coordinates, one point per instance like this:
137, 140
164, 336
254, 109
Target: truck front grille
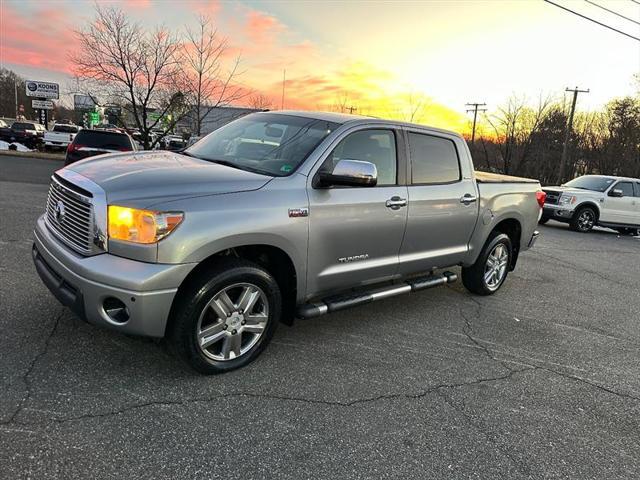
552, 197
70, 217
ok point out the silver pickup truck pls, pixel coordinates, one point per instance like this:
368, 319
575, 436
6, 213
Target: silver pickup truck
275, 216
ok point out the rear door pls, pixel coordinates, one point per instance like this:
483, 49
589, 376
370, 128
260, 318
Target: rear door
443, 202
354, 232
621, 209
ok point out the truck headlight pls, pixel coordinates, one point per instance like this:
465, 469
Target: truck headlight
567, 200
141, 226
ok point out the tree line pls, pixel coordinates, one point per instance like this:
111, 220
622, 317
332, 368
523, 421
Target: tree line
527, 140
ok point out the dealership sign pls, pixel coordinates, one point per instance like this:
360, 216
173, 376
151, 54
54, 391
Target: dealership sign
42, 104
42, 89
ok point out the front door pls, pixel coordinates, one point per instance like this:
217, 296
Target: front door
620, 209
443, 204
355, 232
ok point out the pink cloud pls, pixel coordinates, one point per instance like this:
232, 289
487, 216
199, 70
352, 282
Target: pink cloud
262, 28
38, 40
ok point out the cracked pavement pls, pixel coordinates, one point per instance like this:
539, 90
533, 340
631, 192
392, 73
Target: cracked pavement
538, 381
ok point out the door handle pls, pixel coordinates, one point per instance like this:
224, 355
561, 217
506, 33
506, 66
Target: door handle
394, 203
468, 199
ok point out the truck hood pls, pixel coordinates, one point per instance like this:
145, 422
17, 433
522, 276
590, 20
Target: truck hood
577, 191
144, 178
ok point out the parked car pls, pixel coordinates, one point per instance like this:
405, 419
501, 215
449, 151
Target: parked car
192, 140
60, 136
174, 143
29, 134
591, 200
88, 143
273, 216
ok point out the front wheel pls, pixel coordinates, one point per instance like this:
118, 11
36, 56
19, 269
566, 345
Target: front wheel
227, 317
486, 276
583, 220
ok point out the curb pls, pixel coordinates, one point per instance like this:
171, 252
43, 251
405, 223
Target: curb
36, 154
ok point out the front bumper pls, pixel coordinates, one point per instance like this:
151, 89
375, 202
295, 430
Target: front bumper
85, 283
557, 212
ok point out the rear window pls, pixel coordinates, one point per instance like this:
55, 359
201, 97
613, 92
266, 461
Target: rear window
65, 128
107, 140
433, 159
23, 126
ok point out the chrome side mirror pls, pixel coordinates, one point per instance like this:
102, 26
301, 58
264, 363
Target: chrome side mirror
350, 173
616, 192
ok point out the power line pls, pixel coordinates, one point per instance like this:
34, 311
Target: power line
636, 1
475, 111
592, 20
611, 11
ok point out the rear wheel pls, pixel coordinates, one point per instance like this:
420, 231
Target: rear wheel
543, 220
227, 317
487, 275
583, 220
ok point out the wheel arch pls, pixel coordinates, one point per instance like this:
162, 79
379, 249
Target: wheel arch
272, 258
591, 204
513, 229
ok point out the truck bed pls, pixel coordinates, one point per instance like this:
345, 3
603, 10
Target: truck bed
486, 177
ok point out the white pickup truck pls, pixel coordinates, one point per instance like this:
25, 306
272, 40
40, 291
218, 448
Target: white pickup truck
591, 200
60, 136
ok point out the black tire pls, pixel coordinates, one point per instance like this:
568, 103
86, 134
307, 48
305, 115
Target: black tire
185, 321
473, 277
583, 220
543, 220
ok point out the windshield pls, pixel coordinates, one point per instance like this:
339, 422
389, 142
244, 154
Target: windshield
597, 184
266, 143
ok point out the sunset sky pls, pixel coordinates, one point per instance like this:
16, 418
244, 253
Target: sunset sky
373, 55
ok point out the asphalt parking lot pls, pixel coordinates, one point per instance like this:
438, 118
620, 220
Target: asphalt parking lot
541, 380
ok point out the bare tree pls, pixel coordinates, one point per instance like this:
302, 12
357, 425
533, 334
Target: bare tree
506, 126
260, 101
343, 104
416, 106
206, 81
134, 68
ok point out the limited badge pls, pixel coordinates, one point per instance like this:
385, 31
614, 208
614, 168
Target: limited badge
298, 212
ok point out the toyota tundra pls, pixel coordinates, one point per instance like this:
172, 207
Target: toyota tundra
275, 216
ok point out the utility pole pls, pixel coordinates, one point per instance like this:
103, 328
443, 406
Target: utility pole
352, 109
567, 136
476, 108
284, 77
15, 85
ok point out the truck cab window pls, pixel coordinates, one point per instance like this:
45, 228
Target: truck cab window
433, 159
374, 146
626, 187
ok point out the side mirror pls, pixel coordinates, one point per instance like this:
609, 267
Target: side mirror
350, 173
616, 192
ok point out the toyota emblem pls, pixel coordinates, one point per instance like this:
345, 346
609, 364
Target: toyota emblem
59, 211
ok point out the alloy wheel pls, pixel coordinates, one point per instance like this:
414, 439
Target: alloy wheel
232, 322
496, 267
585, 220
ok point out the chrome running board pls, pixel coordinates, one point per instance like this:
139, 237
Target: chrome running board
341, 302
